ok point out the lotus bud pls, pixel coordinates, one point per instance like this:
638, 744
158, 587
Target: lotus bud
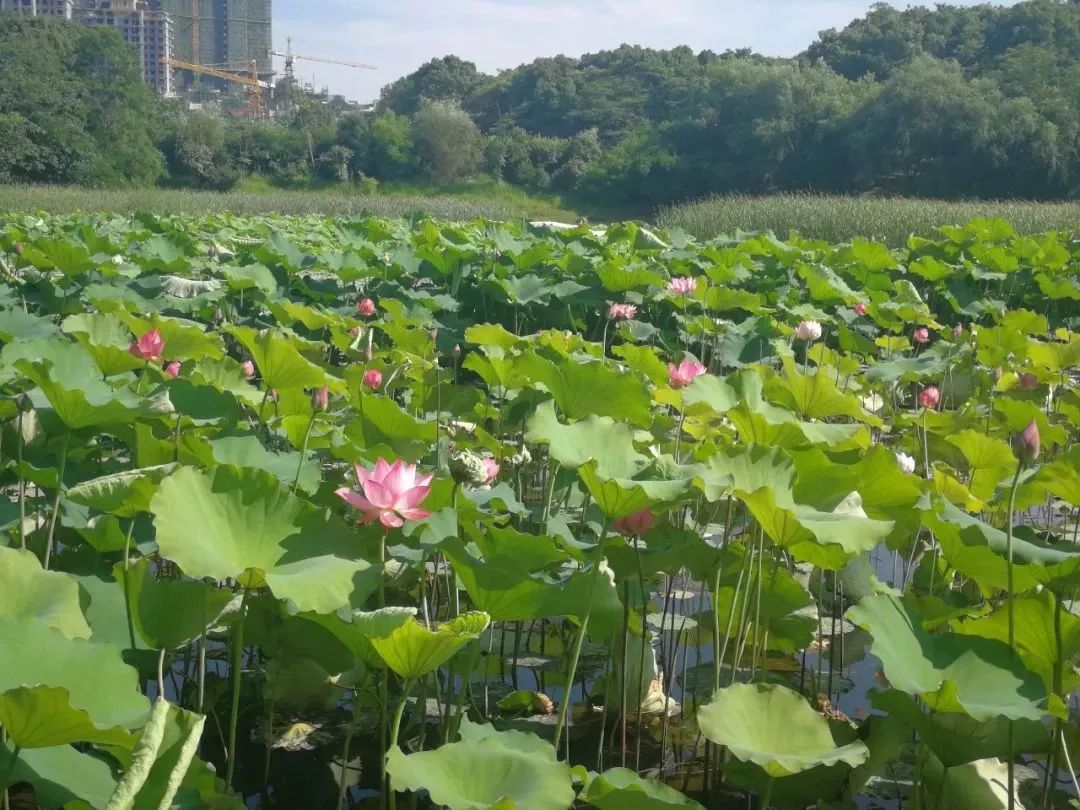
320, 399
1028, 381
456, 352
355, 331
24, 403
636, 524
906, 463
468, 468
1026, 444
368, 354
19, 248
930, 397
542, 704
272, 395
248, 368
373, 378
808, 331
921, 335
434, 335
997, 374
958, 331
861, 308
219, 316
172, 370
366, 307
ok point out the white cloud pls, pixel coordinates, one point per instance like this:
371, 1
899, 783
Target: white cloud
498, 34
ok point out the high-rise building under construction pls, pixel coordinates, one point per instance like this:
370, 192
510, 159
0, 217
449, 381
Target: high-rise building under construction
224, 34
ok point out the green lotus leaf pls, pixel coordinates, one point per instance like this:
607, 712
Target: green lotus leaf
582, 390
518, 770
1036, 637
42, 716
815, 396
623, 789
61, 775
951, 672
169, 613
1062, 477
106, 338
618, 497
978, 550
763, 480
184, 339
243, 524
598, 438
250, 276
18, 325
28, 591
956, 738
775, 728
409, 648
78, 396
246, 450
94, 675
124, 494
279, 363
69, 256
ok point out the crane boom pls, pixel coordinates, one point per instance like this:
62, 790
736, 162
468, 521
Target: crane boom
253, 82
290, 56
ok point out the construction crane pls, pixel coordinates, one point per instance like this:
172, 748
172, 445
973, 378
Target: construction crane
291, 57
253, 83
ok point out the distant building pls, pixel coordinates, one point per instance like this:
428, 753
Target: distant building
147, 30
224, 34
40, 8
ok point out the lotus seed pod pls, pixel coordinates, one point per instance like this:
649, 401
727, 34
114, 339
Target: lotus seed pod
468, 468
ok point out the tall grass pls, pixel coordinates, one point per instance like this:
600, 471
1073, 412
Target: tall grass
838, 219
62, 199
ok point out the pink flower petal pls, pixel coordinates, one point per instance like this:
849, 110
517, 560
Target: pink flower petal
380, 496
415, 514
411, 498
389, 519
398, 480
382, 469
355, 499
361, 474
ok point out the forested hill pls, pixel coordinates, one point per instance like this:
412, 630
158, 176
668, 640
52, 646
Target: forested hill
976, 101
952, 102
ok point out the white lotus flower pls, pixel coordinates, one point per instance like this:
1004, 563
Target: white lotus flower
906, 463
808, 330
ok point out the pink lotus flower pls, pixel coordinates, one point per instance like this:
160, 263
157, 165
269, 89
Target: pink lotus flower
921, 335
366, 307
491, 469
684, 285
808, 330
1028, 381
320, 398
172, 370
930, 397
622, 312
149, 347
680, 376
1027, 444
355, 331
249, 369
636, 524
373, 378
389, 493
861, 308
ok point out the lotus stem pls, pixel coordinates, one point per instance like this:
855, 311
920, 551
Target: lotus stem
22, 496
234, 709
303, 452
161, 674
56, 501
343, 784
766, 795
1010, 608
406, 689
560, 724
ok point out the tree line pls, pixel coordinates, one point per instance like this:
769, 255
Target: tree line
951, 102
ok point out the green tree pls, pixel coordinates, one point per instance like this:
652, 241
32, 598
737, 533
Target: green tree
446, 140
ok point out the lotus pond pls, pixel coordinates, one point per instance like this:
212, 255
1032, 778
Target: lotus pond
313, 513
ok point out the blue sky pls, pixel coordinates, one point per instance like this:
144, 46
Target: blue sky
400, 35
